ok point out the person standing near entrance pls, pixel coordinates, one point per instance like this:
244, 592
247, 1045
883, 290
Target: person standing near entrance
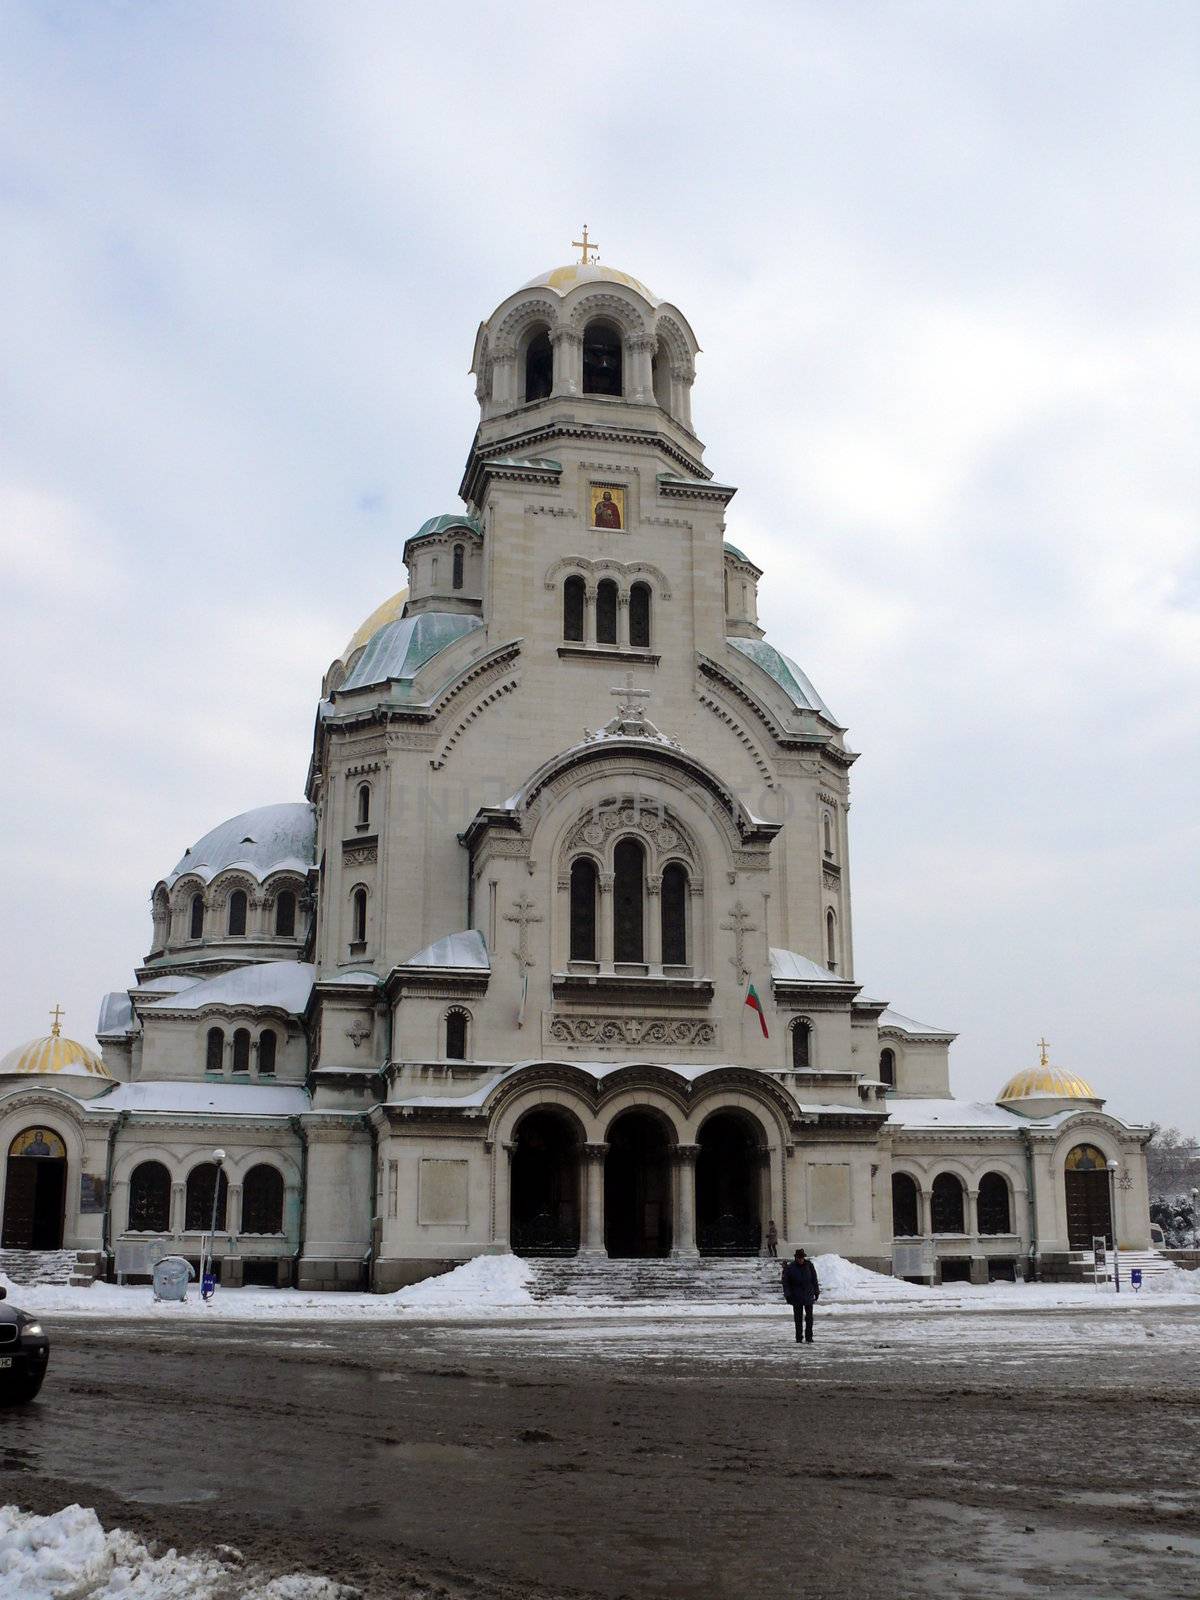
801, 1290
772, 1240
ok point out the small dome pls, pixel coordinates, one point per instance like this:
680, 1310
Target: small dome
390, 611
52, 1055
398, 651
1045, 1082
790, 678
563, 279
261, 841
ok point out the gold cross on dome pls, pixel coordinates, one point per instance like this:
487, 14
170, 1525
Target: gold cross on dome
582, 244
58, 1014
1045, 1049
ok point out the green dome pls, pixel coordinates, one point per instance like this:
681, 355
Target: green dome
790, 678
401, 648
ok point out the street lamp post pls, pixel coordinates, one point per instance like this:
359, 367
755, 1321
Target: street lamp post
1195, 1221
206, 1257
1112, 1215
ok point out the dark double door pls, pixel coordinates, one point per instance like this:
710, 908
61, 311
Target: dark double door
1089, 1214
637, 1187
35, 1193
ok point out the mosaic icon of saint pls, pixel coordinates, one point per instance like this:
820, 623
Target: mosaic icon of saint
608, 512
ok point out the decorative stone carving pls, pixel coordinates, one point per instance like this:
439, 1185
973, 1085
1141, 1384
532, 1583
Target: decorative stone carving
358, 1031
739, 925
618, 1032
663, 832
523, 915
360, 855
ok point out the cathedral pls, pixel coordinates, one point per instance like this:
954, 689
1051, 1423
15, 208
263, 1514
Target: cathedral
555, 956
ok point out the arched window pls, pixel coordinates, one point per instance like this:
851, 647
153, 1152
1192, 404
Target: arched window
629, 865
574, 596
947, 1207
237, 913
285, 915
267, 1045
994, 1214
262, 1200
214, 1051
827, 830
906, 1212
456, 577
539, 367
358, 916
150, 1198
801, 1046
241, 1050
602, 358
196, 927
660, 376
639, 616
583, 909
606, 612
199, 1207
887, 1067
674, 915
831, 941
363, 814
456, 1035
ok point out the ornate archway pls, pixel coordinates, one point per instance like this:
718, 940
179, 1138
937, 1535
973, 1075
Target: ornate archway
35, 1191
1089, 1212
637, 1186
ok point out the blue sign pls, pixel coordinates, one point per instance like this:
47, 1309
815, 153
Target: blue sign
1135, 1277
208, 1286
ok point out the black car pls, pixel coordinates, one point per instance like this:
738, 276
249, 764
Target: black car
24, 1353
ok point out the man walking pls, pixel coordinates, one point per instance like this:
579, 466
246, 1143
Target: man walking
772, 1240
801, 1291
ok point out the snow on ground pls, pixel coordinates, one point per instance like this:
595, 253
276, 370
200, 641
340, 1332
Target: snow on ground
69, 1556
497, 1286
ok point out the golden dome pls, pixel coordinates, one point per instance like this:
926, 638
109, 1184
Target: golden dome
1045, 1082
54, 1054
389, 611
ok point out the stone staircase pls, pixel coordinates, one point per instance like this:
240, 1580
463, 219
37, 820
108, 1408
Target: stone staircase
727, 1280
30, 1268
1149, 1261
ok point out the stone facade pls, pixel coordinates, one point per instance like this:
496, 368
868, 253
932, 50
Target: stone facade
487, 987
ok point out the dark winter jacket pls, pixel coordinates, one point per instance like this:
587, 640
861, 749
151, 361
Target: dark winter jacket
800, 1286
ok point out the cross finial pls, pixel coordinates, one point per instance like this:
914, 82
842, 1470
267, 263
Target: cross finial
58, 1014
629, 697
585, 246
1045, 1049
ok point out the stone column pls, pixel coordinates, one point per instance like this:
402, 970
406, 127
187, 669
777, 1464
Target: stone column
641, 377
924, 1212
684, 1245
623, 619
682, 390
178, 1207
653, 920
766, 1208
568, 361
502, 1192
973, 1213
589, 614
591, 1237
604, 912
233, 1209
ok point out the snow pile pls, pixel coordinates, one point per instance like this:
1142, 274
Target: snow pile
68, 1556
842, 1280
1178, 1280
482, 1281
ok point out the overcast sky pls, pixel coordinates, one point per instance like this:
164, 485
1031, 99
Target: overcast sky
942, 259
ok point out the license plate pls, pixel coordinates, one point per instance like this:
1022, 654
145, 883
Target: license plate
5, 1361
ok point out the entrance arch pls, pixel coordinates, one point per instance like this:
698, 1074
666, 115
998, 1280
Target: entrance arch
544, 1189
637, 1186
35, 1191
1089, 1213
729, 1186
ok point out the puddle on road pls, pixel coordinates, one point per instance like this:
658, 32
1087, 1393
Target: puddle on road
429, 1454
157, 1495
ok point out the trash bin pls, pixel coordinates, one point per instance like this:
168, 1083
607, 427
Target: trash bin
171, 1278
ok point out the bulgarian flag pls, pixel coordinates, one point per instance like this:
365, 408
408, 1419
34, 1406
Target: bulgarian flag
756, 1005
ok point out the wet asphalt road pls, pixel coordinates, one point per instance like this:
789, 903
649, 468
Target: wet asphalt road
913, 1454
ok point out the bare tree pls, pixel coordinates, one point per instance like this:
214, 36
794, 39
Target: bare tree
1172, 1162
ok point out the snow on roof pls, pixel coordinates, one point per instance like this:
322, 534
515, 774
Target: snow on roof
899, 1023
352, 979
466, 949
221, 1099
690, 1071
116, 1013
790, 964
262, 841
283, 984
169, 983
951, 1114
